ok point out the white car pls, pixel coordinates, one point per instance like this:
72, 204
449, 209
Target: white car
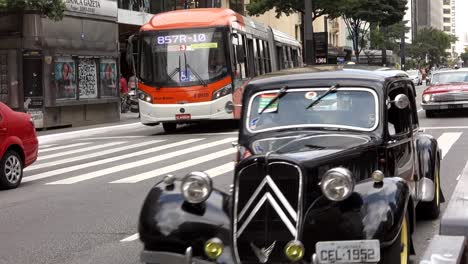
415, 76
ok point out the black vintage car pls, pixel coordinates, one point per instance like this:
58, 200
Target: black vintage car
332, 168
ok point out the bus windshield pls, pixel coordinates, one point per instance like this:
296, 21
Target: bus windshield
180, 58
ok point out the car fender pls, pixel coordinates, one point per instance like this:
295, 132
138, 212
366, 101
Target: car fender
169, 223
10, 141
373, 211
427, 151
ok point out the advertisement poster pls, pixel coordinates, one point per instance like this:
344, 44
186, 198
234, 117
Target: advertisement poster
65, 78
108, 70
35, 107
87, 73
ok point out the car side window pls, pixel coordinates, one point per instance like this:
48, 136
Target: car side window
399, 120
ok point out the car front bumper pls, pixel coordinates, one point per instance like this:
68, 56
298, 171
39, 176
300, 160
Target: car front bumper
212, 110
445, 105
160, 257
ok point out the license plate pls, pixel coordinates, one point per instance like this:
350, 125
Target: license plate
455, 106
359, 251
183, 117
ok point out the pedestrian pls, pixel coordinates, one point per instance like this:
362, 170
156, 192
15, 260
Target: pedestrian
124, 94
123, 85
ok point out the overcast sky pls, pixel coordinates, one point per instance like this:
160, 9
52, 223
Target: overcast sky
461, 22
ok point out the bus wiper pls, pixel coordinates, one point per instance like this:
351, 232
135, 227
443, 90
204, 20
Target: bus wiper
193, 71
332, 89
176, 70
281, 93
196, 74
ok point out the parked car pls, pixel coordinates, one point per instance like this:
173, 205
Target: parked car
447, 90
415, 76
18, 146
331, 169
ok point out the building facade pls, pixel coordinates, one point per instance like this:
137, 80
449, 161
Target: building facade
63, 73
429, 14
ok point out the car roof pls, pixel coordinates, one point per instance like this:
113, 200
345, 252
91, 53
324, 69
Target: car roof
452, 70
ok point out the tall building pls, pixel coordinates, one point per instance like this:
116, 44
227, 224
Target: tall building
449, 20
429, 14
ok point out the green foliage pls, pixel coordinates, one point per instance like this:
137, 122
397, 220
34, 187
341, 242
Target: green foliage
53, 9
359, 14
464, 56
431, 43
288, 7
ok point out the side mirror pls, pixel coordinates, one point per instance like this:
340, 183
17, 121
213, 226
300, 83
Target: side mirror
401, 101
131, 52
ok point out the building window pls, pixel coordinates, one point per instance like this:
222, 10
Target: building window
447, 29
237, 6
446, 19
446, 11
447, 2
108, 70
65, 78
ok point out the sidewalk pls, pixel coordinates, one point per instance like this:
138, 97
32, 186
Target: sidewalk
126, 118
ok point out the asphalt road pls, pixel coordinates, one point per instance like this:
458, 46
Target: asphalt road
79, 203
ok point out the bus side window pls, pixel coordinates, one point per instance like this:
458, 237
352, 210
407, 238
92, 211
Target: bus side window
290, 62
267, 58
250, 56
255, 52
246, 61
285, 58
279, 56
261, 57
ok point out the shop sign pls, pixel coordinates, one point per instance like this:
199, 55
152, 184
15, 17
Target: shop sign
93, 7
321, 47
35, 107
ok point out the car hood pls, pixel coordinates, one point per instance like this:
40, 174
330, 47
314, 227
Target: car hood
444, 88
309, 146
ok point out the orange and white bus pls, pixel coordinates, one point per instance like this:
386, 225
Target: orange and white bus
192, 62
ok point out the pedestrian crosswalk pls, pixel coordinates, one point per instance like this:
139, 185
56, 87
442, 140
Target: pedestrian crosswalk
118, 161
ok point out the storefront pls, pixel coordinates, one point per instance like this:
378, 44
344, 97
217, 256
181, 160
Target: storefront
63, 73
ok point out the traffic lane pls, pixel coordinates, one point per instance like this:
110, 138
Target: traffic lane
70, 223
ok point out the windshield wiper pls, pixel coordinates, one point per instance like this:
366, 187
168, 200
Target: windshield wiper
332, 89
281, 93
176, 70
193, 71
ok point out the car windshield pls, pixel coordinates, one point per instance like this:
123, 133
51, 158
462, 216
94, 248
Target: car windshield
450, 77
178, 58
413, 73
347, 108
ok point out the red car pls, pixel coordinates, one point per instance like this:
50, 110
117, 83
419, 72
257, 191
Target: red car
447, 90
18, 146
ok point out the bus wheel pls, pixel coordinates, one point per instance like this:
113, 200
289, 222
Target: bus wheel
169, 127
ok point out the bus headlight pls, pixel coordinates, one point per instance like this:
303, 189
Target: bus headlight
337, 184
222, 92
196, 187
145, 97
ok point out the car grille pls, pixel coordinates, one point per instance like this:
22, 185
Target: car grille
450, 97
267, 224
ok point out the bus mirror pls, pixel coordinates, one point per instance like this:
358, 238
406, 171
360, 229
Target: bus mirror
234, 35
240, 53
130, 58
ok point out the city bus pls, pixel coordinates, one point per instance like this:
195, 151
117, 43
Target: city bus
192, 64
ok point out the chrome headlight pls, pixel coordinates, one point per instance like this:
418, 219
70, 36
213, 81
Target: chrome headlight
145, 97
427, 97
222, 92
196, 187
337, 184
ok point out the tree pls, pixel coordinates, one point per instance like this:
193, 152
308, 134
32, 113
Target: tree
431, 44
359, 14
53, 9
288, 7
387, 37
464, 56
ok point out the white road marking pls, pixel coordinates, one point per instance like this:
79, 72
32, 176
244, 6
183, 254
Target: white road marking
446, 141
64, 147
459, 176
103, 138
108, 160
447, 127
176, 167
131, 238
87, 132
80, 150
92, 155
221, 169
47, 146
129, 165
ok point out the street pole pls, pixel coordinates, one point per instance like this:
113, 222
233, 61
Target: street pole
309, 47
403, 52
